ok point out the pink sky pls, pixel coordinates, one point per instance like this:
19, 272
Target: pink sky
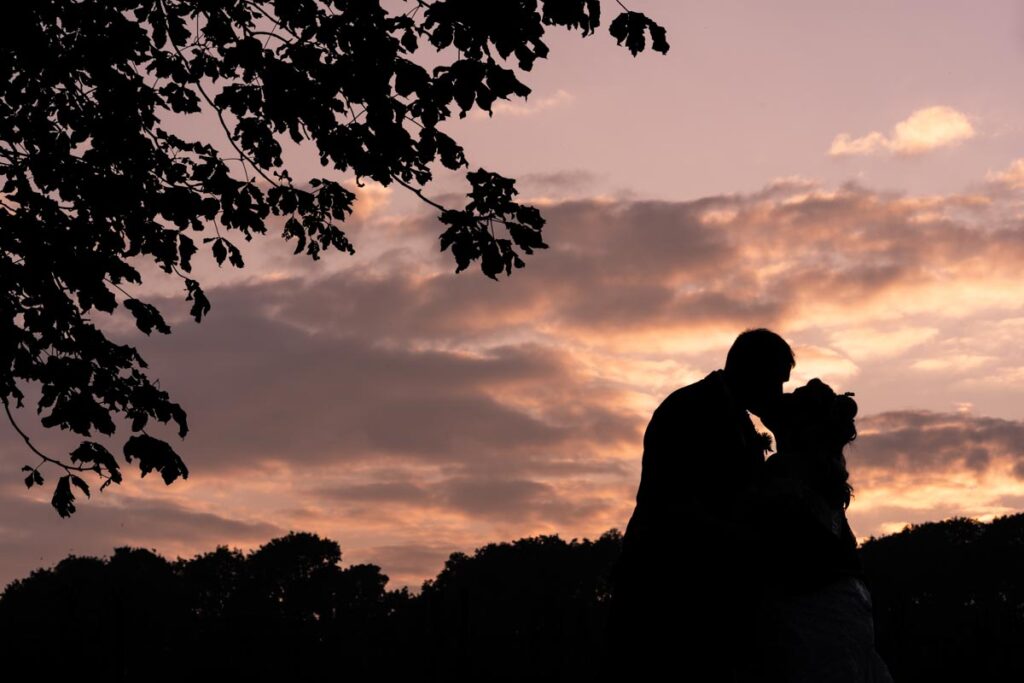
850, 176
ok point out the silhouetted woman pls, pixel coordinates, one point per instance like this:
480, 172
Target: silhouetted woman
815, 621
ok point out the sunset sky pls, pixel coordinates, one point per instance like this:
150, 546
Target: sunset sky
849, 175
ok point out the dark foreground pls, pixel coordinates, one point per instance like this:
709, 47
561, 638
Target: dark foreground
949, 601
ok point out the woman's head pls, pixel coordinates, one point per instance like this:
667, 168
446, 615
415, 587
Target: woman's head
818, 418
816, 424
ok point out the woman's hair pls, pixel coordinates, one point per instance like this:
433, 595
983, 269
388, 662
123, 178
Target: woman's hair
823, 424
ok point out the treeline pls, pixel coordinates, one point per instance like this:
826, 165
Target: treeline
949, 601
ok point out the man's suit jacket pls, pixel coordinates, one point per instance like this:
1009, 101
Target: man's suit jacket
702, 457
684, 586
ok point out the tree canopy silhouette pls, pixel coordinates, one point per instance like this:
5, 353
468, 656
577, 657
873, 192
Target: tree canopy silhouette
285, 610
90, 176
948, 601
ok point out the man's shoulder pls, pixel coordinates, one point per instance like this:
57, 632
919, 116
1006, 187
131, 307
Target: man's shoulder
697, 394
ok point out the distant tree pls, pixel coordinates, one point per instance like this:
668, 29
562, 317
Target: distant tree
514, 609
286, 611
89, 175
948, 599
112, 619
211, 581
289, 610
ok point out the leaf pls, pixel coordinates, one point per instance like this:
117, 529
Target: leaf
452, 154
619, 28
34, 478
63, 499
594, 10
409, 77
526, 238
201, 305
491, 261
155, 454
658, 41
186, 248
220, 252
408, 41
181, 99
234, 255
447, 237
79, 411
90, 451
147, 316
631, 27
80, 483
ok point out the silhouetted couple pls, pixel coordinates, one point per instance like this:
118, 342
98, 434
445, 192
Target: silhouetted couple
735, 568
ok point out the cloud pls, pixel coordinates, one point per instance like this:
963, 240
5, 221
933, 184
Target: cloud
575, 179
1012, 177
259, 389
502, 498
371, 197
924, 130
509, 499
844, 145
410, 563
671, 276
559, 98
890, 519
913, 466
953, 364
873, 343
924, 442
816, 361
41, 539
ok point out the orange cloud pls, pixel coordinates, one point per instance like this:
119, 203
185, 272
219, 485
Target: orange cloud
923, 131
913, 466
1012, 177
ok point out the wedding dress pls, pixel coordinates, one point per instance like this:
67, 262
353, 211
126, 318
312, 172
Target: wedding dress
815, 622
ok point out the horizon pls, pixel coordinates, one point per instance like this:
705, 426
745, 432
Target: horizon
415, 591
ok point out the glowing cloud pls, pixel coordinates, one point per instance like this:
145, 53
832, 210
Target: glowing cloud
871, 343
923, 131
1012, 177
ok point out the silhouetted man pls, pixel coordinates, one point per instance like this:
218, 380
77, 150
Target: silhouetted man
685, 584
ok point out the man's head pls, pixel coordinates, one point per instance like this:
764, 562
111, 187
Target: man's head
757, 366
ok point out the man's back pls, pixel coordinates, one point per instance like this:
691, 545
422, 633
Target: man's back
701, 453
681, 560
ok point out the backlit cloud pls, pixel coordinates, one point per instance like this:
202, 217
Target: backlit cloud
909, 467
1012, 177
872, 343
923, 131
926, 442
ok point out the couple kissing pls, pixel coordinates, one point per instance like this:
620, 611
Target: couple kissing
734, 567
